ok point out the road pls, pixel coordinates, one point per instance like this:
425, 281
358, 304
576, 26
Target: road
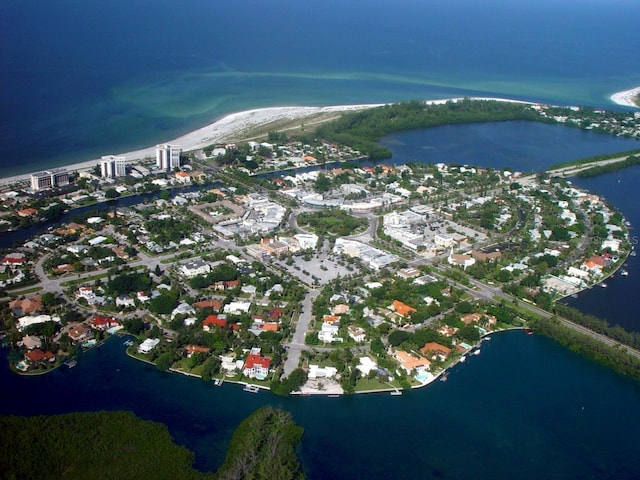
297, 345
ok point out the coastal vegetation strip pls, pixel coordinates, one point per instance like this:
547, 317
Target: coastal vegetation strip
614, 357
107, 445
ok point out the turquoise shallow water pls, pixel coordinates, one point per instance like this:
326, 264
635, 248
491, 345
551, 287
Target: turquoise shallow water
83, 79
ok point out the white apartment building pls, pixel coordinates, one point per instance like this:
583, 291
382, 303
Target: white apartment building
112, 166
167, 156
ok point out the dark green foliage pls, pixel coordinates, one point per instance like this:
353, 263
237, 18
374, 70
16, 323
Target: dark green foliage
612, 167
102, 445
332, 222
117, 445
397, 337
163, 304
360, 130
262, 447
615, 332
292, 383
613, 357
129, 282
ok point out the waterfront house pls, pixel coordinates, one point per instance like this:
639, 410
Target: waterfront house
410, 363
37, 357
256, 366
104, 323
80, 333
434, 350
191, 349
148, 345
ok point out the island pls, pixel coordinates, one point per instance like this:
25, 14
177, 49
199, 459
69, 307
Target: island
628, 98
289, 261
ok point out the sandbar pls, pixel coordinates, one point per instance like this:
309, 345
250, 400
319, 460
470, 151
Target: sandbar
628, 98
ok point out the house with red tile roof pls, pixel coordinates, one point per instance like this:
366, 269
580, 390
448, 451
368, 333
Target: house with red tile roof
213, 321
14, 259
214, 304
409, 362
104, 323
256, 366
37, 356
434, 350
191, 349
270, 327
27, 212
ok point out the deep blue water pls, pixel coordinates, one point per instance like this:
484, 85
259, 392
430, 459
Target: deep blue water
83, 79
524, 408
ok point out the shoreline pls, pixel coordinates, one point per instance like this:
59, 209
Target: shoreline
217, 131
626, 97
232, 124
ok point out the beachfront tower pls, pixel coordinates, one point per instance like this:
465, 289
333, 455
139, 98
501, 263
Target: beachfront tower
167, 156
112, 167
49, 179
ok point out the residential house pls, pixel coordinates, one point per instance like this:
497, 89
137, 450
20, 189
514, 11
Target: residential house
104, 323
356, 333
80, 333
212, 321
148, 345
191, 349
26, 306
37, 356
402, 309
256, 366
434, 350
410, 363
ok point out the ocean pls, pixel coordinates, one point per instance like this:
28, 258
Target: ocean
85, 79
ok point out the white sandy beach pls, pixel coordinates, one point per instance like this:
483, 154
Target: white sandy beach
227, 127
627, 97
222, 130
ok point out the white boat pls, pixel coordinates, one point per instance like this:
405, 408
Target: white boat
463, 359
396, 393
603, 285
251, 389
218, 382
476, 352
624, 273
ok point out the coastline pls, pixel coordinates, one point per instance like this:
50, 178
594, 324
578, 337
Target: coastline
218, 131
225, 128
626, 97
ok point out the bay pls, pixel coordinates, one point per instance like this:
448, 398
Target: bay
524, 408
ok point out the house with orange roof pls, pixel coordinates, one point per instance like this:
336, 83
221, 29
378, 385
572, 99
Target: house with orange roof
191, 349
434, 350
104, 323
332, 319
270, 327
213, 321
410, 363
214, 304
80, 333
27, 212
447, 331
26, 306
402, 309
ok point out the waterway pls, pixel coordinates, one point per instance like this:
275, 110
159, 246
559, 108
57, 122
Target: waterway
524, 408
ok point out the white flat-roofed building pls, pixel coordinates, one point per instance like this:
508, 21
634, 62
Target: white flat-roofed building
167, 156
49, 179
